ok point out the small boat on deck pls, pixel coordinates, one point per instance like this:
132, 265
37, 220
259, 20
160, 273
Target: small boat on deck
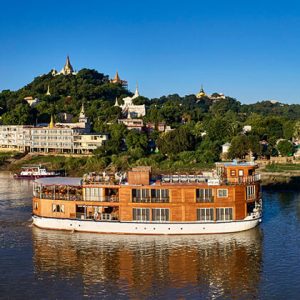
37, 171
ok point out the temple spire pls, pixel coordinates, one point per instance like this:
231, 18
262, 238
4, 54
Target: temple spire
116, 102
51, 124
117, 77
68, 63
48, 91
82, 109
201, 93
82, 116
136, 94
68, 69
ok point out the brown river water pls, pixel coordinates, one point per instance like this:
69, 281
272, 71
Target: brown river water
263, 263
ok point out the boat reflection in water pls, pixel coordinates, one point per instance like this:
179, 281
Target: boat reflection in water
227, 265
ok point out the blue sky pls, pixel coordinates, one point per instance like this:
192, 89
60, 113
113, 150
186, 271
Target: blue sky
249, 50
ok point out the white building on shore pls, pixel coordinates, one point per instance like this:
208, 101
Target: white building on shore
73, 138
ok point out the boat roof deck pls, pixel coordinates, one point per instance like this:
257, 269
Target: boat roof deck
74, 181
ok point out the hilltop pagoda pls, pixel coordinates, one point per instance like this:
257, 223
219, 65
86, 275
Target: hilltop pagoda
118, 80
66, 70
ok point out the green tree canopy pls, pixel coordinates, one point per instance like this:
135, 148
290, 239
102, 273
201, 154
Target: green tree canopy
285, 148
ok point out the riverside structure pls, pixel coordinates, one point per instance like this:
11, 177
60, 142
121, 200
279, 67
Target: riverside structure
72, 138
225, 200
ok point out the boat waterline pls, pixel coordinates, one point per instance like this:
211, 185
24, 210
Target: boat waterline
146, 228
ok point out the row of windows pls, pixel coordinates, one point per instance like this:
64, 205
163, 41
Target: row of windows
163, 214
46, 137
52, 131
147, 195
51, 144
158, 214
202, 195
206, 195
240, 173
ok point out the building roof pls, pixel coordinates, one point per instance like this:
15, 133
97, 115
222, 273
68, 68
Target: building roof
239, 163
74, 181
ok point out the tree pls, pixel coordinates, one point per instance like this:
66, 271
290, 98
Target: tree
285, 148
136, 139
176, 141
19, 116
242, 145
222, 106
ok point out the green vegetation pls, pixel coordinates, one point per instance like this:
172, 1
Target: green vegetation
72, 165
285, 148
200, 126
282, 167
8, 156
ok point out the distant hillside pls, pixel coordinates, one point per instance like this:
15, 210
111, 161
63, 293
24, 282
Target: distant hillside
199, 126
95, 90
67, 94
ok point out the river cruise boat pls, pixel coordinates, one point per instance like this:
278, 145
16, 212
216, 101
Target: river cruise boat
36, 171
225, 200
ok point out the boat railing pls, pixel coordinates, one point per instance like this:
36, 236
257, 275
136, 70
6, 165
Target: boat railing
160, 200
183, 178
208, 199
102, 178
243, 179
59, 196
150, 200
98, 217
113, 198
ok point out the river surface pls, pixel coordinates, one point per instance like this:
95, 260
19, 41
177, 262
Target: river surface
263, 263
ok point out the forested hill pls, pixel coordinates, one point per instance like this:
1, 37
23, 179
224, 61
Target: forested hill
67, 94
199, 126
98, 94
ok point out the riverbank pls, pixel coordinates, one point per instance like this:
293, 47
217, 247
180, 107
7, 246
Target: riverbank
281, 180
73, 165
77, 165
280, 176
273, 176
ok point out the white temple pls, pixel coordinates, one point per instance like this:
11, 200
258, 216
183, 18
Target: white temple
130, 109
66, 70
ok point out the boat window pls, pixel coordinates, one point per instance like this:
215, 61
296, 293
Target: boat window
250, 192
241, 173
147, 195
222, 193
93, 194
232, 173
204, 195
205, 214
58, 208
141, 214
160, 214
224, 214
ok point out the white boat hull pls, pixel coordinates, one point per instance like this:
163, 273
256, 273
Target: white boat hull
146, 227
